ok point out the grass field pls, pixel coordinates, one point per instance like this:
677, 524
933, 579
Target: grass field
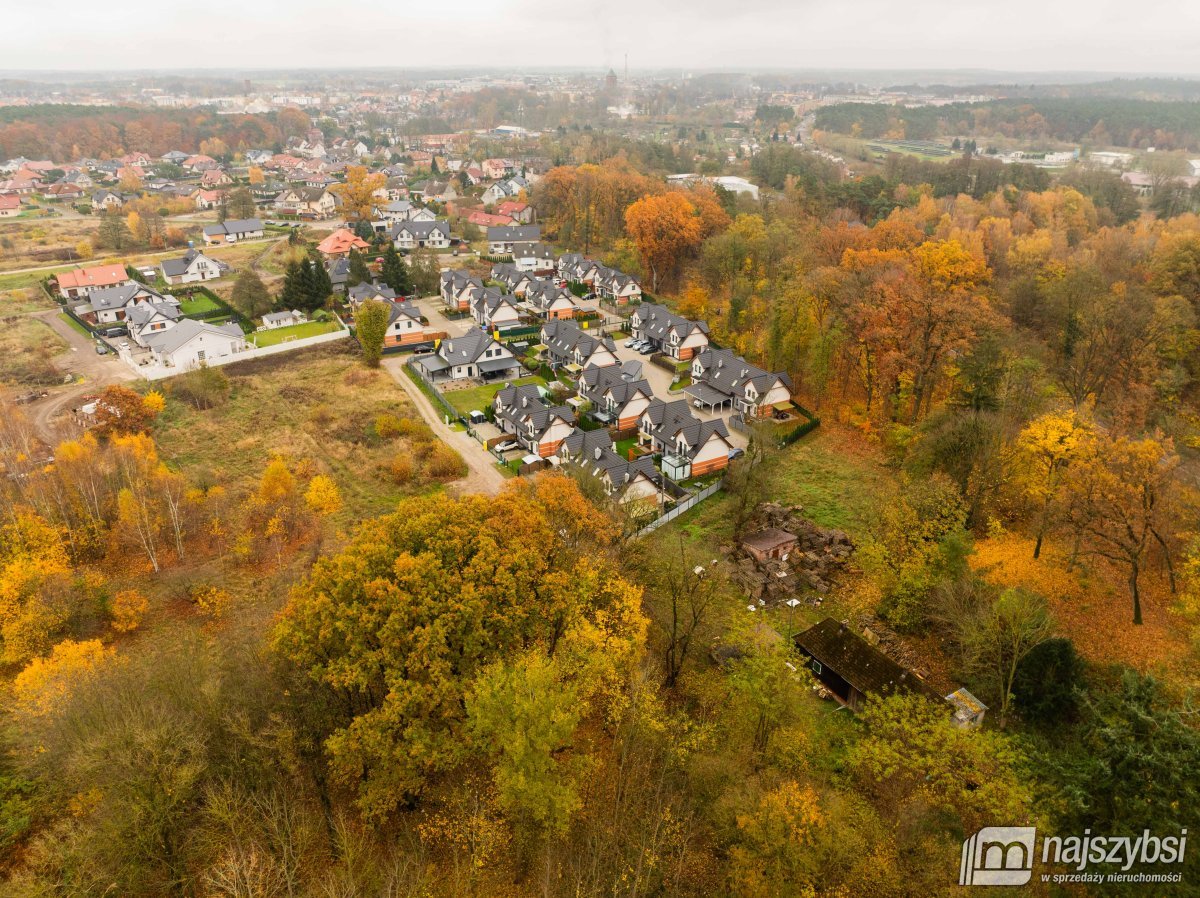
479, 398
25, 299
295, 332
316, 407
27, 347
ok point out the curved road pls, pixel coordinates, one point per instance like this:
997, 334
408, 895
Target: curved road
98, 371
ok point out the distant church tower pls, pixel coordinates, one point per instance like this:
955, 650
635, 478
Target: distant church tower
610, 82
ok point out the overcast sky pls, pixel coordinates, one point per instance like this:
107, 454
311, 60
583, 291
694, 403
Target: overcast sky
1151, 36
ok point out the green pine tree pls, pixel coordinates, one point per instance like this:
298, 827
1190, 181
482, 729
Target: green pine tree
292, 294
395, 272
359, 272
322, 285
310, 298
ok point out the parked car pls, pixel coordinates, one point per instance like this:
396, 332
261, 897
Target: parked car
124, 344
506, 446
632, 342
101, 349
736, 453
646, 348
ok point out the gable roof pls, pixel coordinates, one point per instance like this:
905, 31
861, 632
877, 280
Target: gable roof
585, 444
564, 337
514, 233
466, 349
725, 371
96, 276
597, 382
172, 339
177, 267
234, 226
659, 321
403, 309
362, 292
420, 230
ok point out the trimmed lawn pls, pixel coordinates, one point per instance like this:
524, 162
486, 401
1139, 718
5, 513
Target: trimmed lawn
199, 304
295, 332
479, 398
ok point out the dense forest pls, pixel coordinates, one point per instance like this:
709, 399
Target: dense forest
61, 132
1097, 121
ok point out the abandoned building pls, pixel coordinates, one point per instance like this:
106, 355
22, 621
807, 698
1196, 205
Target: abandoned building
771, 543
853, 669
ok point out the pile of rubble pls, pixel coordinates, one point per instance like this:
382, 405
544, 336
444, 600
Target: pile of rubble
810, 565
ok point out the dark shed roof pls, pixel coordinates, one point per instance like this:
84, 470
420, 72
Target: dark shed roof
858, 662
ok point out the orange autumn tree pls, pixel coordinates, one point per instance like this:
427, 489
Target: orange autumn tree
666, 229
358, 192
1126, 501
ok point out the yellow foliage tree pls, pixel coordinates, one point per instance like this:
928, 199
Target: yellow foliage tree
45, 682
128, 608
34, 585
323, 496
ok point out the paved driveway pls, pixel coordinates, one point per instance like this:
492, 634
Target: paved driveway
431, 307
660, 382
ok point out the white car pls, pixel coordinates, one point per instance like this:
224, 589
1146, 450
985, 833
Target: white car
507, 446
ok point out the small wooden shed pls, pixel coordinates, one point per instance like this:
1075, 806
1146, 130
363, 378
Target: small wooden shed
769, 544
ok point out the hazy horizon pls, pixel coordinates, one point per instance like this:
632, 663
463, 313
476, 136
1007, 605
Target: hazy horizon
1154, 38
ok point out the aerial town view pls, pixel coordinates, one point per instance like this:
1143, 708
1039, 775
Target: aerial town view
614, 451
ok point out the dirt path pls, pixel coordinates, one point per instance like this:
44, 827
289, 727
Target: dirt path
98, 371
482, 475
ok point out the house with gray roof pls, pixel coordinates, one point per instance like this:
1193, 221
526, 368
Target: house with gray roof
627, 479
537, 425
457, 287
676, 336
473, 355
690, 447
494, 310
534, 256
721, 379
190, 344
360, 293
192, 266
233, 230
569, 345
110, 304
146, 319
548, 300
421, 234
514, 280
617, 400
501, 238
